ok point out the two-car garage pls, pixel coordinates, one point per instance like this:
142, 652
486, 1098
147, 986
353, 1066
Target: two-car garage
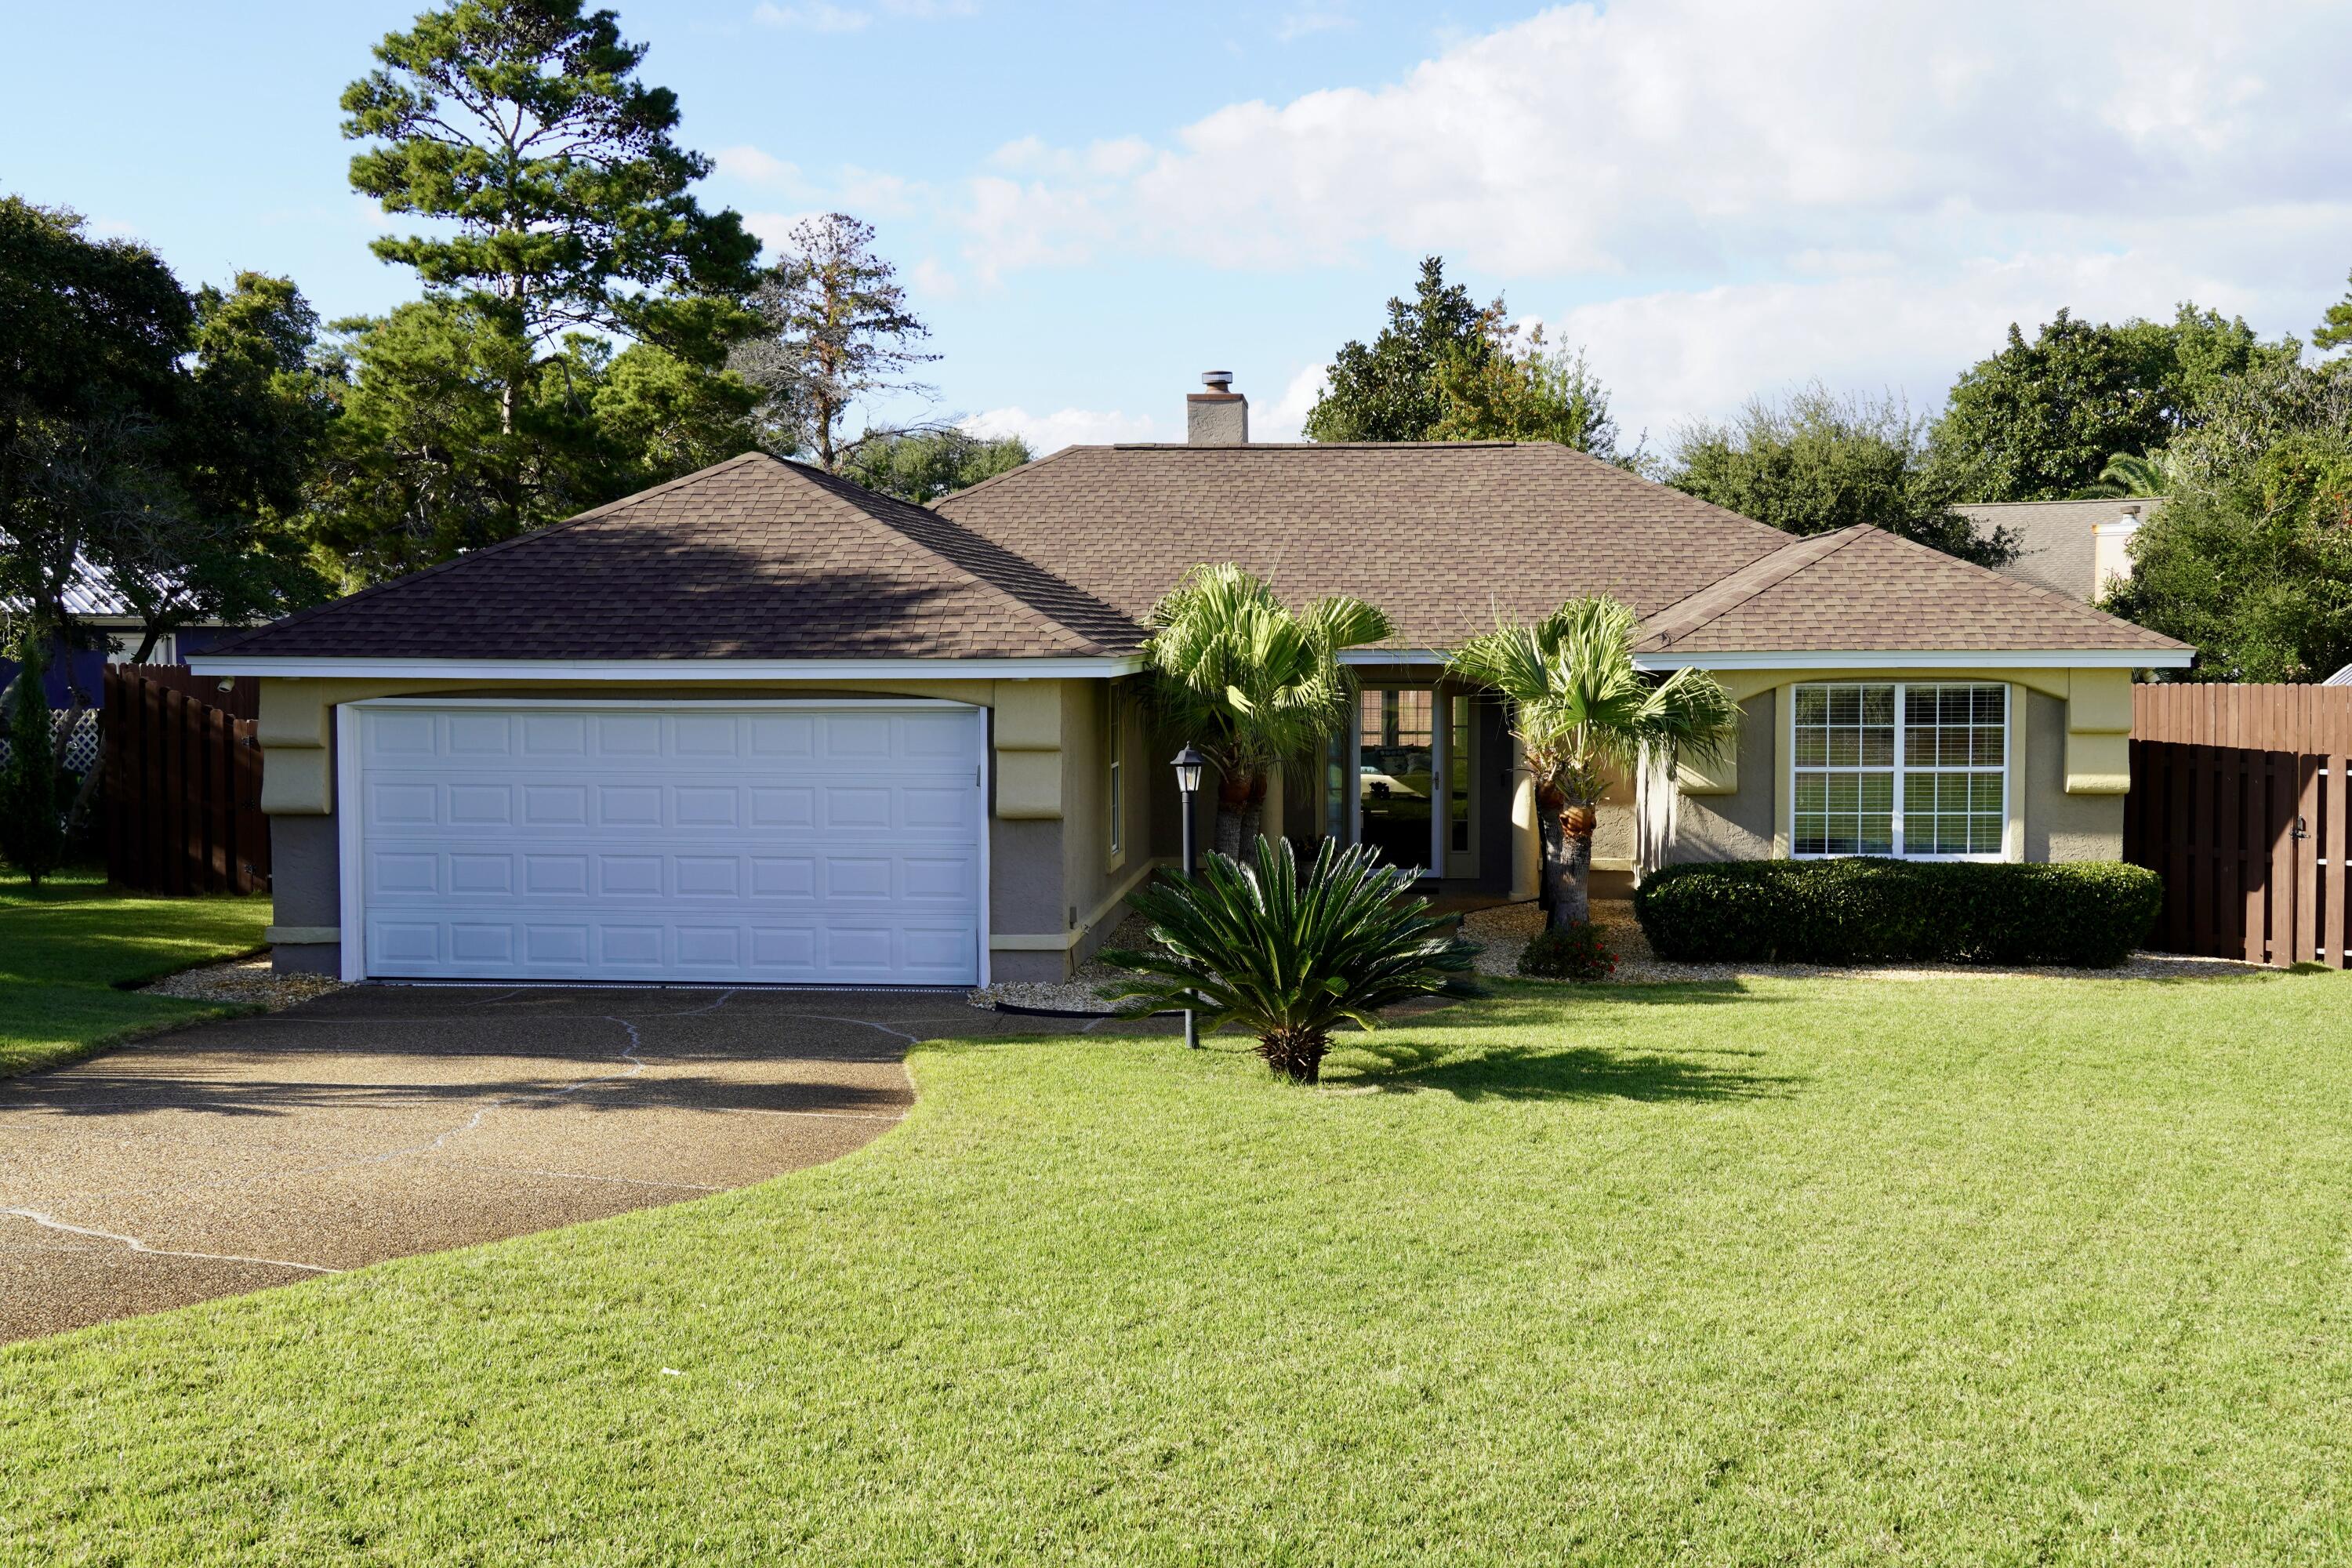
790, 842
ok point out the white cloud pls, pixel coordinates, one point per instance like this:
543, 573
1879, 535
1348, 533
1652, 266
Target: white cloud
1706, 135
1311, 19
754, 166
824, 17
773, 230
1720, 199
819, 16
1064, 427
1286, 417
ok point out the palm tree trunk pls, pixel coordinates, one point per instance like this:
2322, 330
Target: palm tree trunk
1233, 810
1571, 899
1253, 817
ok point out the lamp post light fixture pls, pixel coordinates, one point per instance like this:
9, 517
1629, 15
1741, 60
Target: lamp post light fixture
1189, 765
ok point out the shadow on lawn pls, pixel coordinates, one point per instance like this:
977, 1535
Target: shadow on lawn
1562, 1072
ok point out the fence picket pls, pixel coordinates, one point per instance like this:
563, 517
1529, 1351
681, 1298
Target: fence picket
183, 783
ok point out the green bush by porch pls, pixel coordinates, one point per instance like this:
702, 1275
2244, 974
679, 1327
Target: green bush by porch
1864, 909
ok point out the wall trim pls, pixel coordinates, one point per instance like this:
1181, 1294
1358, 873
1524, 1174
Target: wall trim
1018, 942
2013, 658
672, 670
299, 935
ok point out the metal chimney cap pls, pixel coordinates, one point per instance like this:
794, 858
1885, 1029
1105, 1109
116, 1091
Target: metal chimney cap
1217, 380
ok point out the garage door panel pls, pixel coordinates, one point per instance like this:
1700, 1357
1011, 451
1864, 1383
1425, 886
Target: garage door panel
744, 844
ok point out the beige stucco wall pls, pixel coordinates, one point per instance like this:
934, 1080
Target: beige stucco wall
2069, 765
1047, 849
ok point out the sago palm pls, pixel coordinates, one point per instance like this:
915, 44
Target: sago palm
1251, 683
1582, 714
1288, 957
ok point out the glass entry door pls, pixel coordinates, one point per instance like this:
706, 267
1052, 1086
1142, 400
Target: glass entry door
1398, 774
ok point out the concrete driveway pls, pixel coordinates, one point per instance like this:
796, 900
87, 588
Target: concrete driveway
384, 1121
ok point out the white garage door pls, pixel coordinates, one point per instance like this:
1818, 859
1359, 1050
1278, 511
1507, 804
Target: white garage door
812, 843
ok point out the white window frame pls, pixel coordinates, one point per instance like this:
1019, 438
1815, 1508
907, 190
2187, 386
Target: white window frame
1901, 768
1115, 781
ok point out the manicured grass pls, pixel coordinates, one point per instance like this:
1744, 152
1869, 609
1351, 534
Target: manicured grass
1974, 1271
64, 948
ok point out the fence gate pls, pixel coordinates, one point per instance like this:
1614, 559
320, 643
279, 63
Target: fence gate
2239, 800
182, 786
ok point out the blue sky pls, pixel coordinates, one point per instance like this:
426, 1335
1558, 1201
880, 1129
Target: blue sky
1093, 203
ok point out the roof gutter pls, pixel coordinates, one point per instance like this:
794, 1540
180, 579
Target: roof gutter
1915, 658
642, 670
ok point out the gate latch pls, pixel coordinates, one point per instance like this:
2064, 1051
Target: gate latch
2300, 830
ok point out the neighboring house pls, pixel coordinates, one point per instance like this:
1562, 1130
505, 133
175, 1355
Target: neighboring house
762, 725
96, 608
2077, 547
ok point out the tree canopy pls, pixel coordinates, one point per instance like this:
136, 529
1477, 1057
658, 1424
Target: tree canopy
1388, 390
522, 125
923, 465
154, 437
1447, 369
1815, 463
2040, 419
2251, 559
835, 333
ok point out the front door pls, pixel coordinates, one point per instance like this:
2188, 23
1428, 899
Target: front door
1397, 774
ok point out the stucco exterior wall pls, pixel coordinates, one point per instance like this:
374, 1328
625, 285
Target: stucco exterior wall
2069, 765
1044, 763
2059, 826
1738, 825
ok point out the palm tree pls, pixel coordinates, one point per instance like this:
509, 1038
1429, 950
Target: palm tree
1250, 683
1581, 713
2127, 474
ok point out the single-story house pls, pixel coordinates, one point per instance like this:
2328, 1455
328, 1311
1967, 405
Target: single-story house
2078, 547
759, 724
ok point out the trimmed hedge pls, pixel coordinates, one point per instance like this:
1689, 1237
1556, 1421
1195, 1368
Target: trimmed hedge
2087, 914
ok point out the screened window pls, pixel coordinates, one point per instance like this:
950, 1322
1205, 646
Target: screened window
1915, 770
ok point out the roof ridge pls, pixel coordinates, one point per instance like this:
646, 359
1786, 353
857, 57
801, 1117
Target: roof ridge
2066, 601
988, 575
1737, 587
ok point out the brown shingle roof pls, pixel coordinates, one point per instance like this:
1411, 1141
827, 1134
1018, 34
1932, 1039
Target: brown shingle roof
757, 558
1443, 536
1865, 589
753, 558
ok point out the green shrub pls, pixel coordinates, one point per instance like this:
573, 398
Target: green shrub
1286, 955
1572, 952
2088, 914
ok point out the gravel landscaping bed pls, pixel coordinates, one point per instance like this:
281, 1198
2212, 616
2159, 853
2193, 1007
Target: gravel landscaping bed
1504, 931
246, 980
1076, 994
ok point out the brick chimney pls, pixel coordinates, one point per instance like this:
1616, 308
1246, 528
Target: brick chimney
1219, 416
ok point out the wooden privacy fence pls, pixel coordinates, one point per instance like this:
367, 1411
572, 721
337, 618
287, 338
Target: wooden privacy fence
180, 789
2239, 800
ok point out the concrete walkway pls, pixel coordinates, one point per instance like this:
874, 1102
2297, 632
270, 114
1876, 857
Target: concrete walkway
384, 1121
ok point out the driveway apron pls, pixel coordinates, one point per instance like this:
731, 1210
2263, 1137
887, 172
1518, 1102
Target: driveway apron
384, 1121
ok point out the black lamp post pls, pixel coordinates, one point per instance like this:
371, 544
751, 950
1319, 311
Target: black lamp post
1189, 763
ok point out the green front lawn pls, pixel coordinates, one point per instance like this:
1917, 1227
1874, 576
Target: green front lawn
1969, 1270
64, 949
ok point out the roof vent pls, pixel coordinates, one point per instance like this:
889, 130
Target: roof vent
1219, 416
